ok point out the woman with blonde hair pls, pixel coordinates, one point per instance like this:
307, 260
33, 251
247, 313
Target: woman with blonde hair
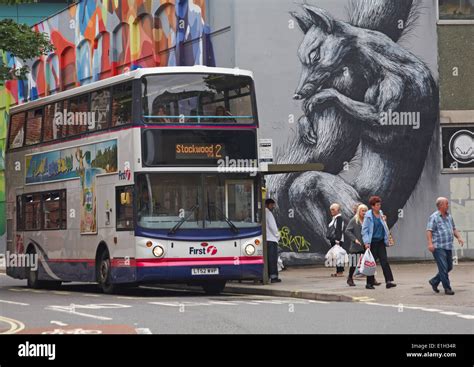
353, 233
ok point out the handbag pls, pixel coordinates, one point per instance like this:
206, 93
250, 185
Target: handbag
331, 233
391, 241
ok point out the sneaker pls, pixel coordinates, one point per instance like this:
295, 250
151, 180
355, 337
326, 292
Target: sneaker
449, 292
435, 287
390, 285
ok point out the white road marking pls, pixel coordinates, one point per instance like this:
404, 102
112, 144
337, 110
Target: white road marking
59, 323
127, 297
450, 313
14, 303
467, 317
223, 303
90, 295
62, 293
424, 309
68, 310
19, 289
274, 302
164, 304
143, 331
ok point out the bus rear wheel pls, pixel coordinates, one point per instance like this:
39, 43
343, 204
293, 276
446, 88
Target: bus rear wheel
214, 287
104, 273
32, 280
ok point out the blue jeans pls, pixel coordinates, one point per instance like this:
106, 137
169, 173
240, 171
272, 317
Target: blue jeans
444, 260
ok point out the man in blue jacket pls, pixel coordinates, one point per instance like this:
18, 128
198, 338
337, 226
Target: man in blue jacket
375, 234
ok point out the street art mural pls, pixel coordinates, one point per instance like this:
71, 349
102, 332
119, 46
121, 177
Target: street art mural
369, 113
98, 39
83, 162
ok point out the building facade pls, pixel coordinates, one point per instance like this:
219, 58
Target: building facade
355, 85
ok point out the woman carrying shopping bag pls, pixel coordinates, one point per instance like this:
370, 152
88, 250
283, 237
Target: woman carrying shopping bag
357, 248
335, 235
375, 234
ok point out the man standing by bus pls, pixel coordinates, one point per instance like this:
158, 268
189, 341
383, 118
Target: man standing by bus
273, 236
440, 233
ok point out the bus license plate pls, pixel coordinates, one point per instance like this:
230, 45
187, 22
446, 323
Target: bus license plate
205, 271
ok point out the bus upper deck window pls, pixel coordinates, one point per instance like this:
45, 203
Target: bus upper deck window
100, 107
121, 104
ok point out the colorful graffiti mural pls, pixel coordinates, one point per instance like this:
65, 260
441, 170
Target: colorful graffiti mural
98, 39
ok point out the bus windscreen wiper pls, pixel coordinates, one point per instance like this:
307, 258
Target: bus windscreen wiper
180, 223
228, 221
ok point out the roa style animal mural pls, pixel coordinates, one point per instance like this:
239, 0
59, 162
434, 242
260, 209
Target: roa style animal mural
355, 78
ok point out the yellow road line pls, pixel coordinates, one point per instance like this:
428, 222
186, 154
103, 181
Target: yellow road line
15, 325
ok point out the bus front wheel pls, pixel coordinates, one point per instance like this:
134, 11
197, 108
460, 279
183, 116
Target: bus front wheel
214, 287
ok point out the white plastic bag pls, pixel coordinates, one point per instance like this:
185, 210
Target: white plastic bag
368, 265
336, 256
280, 264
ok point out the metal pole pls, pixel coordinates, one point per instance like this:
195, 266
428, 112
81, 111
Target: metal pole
264, 234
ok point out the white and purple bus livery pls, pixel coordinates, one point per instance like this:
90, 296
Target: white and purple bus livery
149, 176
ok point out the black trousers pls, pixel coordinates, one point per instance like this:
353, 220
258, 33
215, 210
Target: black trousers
272, 248
353, 260
379, 251
339, 269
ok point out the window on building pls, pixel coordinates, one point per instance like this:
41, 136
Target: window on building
121, 104
456, 9
17, 130
34, 120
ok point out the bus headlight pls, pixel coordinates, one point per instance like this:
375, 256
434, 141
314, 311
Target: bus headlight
250, 249
158, 251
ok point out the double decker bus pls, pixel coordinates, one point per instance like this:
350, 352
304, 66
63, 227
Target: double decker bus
149, 176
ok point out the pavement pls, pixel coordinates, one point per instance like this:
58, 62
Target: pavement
315, 283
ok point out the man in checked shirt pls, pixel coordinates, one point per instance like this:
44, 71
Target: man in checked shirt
440, 233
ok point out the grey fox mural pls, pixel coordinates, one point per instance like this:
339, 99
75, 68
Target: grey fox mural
355, 78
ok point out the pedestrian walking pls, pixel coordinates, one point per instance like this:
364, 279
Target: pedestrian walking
273, 236
336, 233
354, 235
375, 234
440, 233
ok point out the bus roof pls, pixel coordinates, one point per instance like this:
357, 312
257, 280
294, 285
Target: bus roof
136, 74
